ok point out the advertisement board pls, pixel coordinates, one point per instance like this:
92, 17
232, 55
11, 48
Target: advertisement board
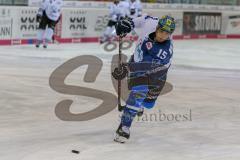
202, 23
26, 24
83, 22
18, 24
232, 23
75, 23
5, 23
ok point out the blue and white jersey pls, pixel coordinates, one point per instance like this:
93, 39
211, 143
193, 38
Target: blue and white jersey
149, 53
52, 8
149, 50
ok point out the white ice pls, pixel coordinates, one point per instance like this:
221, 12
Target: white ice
206, 81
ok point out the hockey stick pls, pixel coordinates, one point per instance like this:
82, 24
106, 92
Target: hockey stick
120, 106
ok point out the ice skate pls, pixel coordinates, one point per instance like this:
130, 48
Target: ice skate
38, 42
122, 134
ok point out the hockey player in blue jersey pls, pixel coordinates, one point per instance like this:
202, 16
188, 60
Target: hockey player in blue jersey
148, 66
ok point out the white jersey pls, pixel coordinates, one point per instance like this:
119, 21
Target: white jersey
124, 8
52, 8
135, 9
114, 12
145, 25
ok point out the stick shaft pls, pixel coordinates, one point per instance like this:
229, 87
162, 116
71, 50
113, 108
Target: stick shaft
119, 63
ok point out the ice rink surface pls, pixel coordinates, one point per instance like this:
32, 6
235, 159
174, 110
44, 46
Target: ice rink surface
206, 85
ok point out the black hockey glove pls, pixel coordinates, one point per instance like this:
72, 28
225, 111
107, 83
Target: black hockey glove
120, 73
124, 26
39, 17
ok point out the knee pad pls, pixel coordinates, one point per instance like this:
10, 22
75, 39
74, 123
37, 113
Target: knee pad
40, 34
137, 95
49, 34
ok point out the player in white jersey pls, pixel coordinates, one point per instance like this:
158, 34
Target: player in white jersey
124, 6
48, 16
114, 15
118, 10
135, 8
147, 68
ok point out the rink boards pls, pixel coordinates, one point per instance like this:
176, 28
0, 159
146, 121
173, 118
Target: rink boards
18, 24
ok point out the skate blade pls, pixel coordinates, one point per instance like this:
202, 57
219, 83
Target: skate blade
120, 139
